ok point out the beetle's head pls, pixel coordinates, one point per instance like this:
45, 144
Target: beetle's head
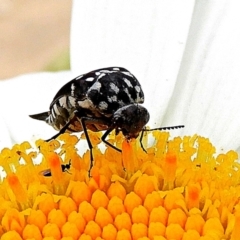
130, 119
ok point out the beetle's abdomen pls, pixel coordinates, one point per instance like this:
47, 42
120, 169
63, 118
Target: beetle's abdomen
61, 111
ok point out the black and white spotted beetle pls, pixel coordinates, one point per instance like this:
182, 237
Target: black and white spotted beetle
103, 99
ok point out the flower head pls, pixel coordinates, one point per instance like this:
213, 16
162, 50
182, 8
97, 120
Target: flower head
179, 189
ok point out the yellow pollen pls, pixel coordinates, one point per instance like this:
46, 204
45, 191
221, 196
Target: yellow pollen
103, 217
140, 215
153, 200
171, 199
177, 216
67, 205
31, 232
37, 218
169, 169
145, 185
18, 190
80, 192
116, 189
159, 214
70, 230
174, 231
109, 232
99, 199
55, 166
139, 230
193, 196
132, 200
236, 228
57, 217
46, 203
156, 229
51, 230
195, 222
93, 230
128, 156
77, 219
123, 221
124, 234
12, 235
178, 189
115, 206
13, 220
87, 210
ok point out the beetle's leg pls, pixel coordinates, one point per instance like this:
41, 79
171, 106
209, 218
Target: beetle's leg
108, 143
62, 130
65, 127
84, 122
140, 139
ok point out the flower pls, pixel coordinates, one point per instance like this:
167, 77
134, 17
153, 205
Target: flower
186, 57
179, 189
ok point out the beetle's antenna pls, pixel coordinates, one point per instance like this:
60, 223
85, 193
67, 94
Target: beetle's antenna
159, 129
163, 128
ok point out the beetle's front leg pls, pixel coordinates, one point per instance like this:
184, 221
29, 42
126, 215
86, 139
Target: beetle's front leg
85, 121
108, 143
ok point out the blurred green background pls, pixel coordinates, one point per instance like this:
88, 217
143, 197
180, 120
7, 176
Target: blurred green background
61, 62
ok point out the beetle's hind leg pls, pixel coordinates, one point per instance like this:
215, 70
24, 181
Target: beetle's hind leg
62, 130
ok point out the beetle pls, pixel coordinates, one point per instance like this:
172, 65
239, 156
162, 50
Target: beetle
103, 99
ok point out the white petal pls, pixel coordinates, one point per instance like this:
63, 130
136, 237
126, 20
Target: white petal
207, 95
25, 95
146, 37
5, 139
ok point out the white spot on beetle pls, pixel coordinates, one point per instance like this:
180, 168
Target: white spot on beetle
137, 88
95, 86
109, 99
50, 119
72, 89
79, 77
103, 105
114, 87
139, 99
90, 79
121, 103
87, 104
107, 71
53, 114
63, 102
55, 108
128, 74
72, 101
127, 92
128, 82
112, 98
101, 75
